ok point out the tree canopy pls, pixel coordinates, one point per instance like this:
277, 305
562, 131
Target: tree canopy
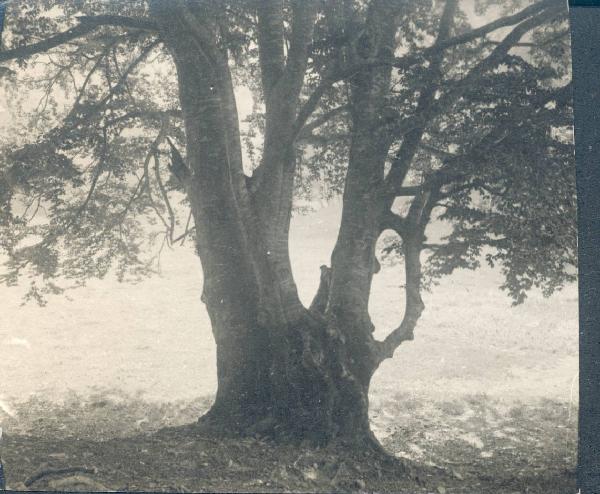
84, 171
412, 111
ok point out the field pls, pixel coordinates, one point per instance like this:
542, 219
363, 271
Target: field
484, 399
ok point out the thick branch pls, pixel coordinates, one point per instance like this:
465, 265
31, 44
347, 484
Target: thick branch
322, 119
273, 183
497, 55
395, 222
48, 43
86, 26
414, 304
118, 21
148, 114
319, 303
413, 226
303, 14
413, 138
408, 191
270, 43
508, 20
406, 61
192, 19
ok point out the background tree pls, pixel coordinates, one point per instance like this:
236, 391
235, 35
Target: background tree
404, 106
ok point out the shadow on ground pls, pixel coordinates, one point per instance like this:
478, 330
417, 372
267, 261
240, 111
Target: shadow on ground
471, 444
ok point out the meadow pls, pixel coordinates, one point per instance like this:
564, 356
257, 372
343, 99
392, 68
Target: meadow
483, 400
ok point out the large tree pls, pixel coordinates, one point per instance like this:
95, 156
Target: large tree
403, 107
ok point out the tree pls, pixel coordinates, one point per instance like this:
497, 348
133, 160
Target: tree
406, 107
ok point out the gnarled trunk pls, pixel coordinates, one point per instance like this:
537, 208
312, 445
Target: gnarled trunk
282, 369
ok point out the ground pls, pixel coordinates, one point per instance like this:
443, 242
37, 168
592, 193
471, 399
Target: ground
484, 400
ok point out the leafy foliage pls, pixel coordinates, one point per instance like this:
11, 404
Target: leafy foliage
85, 185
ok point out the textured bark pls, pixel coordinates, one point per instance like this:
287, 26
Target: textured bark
282, 369
369, 193
353, 259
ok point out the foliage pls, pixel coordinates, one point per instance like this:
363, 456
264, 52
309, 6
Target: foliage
85, 185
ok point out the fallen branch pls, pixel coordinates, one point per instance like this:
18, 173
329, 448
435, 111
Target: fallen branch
58, 471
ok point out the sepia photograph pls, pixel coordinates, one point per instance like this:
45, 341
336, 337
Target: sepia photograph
288, 246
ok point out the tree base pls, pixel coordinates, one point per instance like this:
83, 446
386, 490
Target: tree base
281, 432
338, 466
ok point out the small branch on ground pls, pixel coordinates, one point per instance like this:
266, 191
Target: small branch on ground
58, 471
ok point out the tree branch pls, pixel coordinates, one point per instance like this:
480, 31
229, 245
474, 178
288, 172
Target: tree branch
98, 106
497, 24
440, 153
186, 231
320, 120
270, 43
319, 303
97, 173
395, 222
414, 304
406, 61
119, 21
165, 196
86, 26
412, 139
149, 155
446, 174
303, 14
407, 191
89, 75
47, 44
307, 109
546, 42
413, 228
151, 115
497, 55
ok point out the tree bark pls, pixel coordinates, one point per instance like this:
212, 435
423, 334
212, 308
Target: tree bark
353, 262
283, 370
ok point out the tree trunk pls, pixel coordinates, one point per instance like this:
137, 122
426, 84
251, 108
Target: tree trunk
283, 370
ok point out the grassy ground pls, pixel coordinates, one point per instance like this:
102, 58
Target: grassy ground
484, 400
473, 444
